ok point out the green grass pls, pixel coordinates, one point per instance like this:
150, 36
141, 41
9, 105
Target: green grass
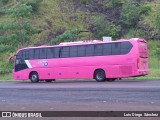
6, 77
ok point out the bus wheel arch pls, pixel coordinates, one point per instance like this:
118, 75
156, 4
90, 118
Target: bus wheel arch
99, 75
34, 77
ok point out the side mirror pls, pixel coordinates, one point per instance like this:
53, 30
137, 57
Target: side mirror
10, 59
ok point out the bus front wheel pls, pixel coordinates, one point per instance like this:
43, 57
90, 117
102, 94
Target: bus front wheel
34, 77
100, 75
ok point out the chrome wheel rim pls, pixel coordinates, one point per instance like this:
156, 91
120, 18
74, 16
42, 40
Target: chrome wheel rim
34, 77
100, 76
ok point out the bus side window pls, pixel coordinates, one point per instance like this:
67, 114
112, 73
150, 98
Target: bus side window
36, 53
23, 54
50, 53
57, 52
116, 48
107, 49
65, 52
73, 51
42, 54
31, 54
89, 50
125, 47
26, 55
81, 51
98, 50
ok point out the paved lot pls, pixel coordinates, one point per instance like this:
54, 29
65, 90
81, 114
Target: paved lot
85, 95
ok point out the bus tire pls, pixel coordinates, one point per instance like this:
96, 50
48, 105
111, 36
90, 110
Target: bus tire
99, 75
34, 77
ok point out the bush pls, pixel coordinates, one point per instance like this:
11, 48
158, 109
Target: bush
130, 13
22, 11
113, 3
144, 9
156, 51
4, 1
157, 19
33, 3
85, 2
67, 36
2, 11
5, 68
4, 48
135, 34
101, 27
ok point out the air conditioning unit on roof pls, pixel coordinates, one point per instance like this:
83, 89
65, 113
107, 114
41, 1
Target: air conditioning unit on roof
107, 39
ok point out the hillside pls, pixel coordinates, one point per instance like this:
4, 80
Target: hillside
37, 22
54, 17
114, 18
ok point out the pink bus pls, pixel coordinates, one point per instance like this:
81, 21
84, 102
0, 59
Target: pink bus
103, 61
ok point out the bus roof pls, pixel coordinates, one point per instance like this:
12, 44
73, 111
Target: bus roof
85, 42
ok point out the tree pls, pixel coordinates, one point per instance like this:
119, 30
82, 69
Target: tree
18, 32
15, 34
102, 27
157, 22
130, 13
68, 36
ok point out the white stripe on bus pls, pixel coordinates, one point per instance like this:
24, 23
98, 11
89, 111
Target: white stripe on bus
28, 64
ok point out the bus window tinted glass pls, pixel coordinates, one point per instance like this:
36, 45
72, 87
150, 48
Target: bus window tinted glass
73, 51
30, 54
42, 54
89, 50
116, 48
26, 54
81, 51
23, 54
36, 53
57, 52
50, 52
20, 54
107, 49
65, 52
98, 50
126, 47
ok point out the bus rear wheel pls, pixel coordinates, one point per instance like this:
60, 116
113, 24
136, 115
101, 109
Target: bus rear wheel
34, 77
100, 76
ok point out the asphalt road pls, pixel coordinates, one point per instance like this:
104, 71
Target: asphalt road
83, 95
